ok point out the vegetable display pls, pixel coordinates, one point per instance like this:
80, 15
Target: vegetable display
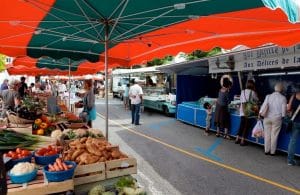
22, 168
30, 108
79, 133
91, 150
59, 165
10, 140
128, 186
18, 154
42, 126
48, 151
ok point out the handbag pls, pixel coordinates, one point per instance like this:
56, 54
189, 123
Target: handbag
289, 121
265, 109
249, 107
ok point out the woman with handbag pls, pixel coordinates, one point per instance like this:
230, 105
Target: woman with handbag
248, 95
293, 106
89, 110
274, 110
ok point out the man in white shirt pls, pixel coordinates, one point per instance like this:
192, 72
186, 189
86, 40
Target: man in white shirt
136, 97
276, 105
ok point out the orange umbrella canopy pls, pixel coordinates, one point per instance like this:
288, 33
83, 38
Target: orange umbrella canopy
73, 29
49, 66
253, 28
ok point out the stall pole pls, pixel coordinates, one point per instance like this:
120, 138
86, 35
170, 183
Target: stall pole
106, 79
240, 80
69, 103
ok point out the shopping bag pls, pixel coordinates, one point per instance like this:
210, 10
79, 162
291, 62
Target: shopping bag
258, 130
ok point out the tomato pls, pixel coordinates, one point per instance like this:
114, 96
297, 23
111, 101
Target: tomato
25, 152
14, 156
42, 151
11, 153
50, 147
52, 152
18, 150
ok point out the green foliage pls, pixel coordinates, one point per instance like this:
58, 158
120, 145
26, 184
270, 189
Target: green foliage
136, 66
2, 62
214, 51
196, 54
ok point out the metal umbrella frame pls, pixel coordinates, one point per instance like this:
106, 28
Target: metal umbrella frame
84, 29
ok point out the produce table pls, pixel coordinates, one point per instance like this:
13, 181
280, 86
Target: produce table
194, 114
40, 187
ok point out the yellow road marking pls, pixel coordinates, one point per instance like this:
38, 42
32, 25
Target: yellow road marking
208, 160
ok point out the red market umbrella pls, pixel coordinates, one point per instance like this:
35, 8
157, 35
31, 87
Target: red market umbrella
252, 28
86, 29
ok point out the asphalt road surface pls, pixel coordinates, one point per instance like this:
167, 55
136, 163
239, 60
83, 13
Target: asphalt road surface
177, 158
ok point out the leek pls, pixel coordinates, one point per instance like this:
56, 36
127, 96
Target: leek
10, 140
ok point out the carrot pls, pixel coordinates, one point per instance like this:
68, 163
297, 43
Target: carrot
65, 166
51, 168
58, 160
56, 167
59, 164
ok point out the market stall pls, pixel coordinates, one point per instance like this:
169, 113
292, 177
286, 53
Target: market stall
57, 152
157, 92
267, 65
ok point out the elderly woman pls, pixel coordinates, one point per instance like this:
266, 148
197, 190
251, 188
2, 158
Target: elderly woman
10, 97
276, 110
89, 111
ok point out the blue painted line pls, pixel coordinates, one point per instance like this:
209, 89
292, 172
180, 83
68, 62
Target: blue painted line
208, 152
214, 145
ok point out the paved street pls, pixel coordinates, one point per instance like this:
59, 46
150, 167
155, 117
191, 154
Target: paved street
176, 158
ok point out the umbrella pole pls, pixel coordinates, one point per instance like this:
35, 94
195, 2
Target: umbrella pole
106, 80
69, 103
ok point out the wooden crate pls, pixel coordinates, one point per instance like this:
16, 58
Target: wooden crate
89, 173
120, 167
39, 186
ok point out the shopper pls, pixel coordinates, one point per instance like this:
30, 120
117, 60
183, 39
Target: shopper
23, 88
247, 95
293, 105
222, 116
4, 85
136, 97
208, 109
126, 97
10, 97
276, 110
89, 110
31, 89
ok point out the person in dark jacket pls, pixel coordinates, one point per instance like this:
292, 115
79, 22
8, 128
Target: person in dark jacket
293, 105
23, 88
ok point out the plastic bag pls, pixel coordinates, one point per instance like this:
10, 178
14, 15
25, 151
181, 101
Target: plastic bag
258, 130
